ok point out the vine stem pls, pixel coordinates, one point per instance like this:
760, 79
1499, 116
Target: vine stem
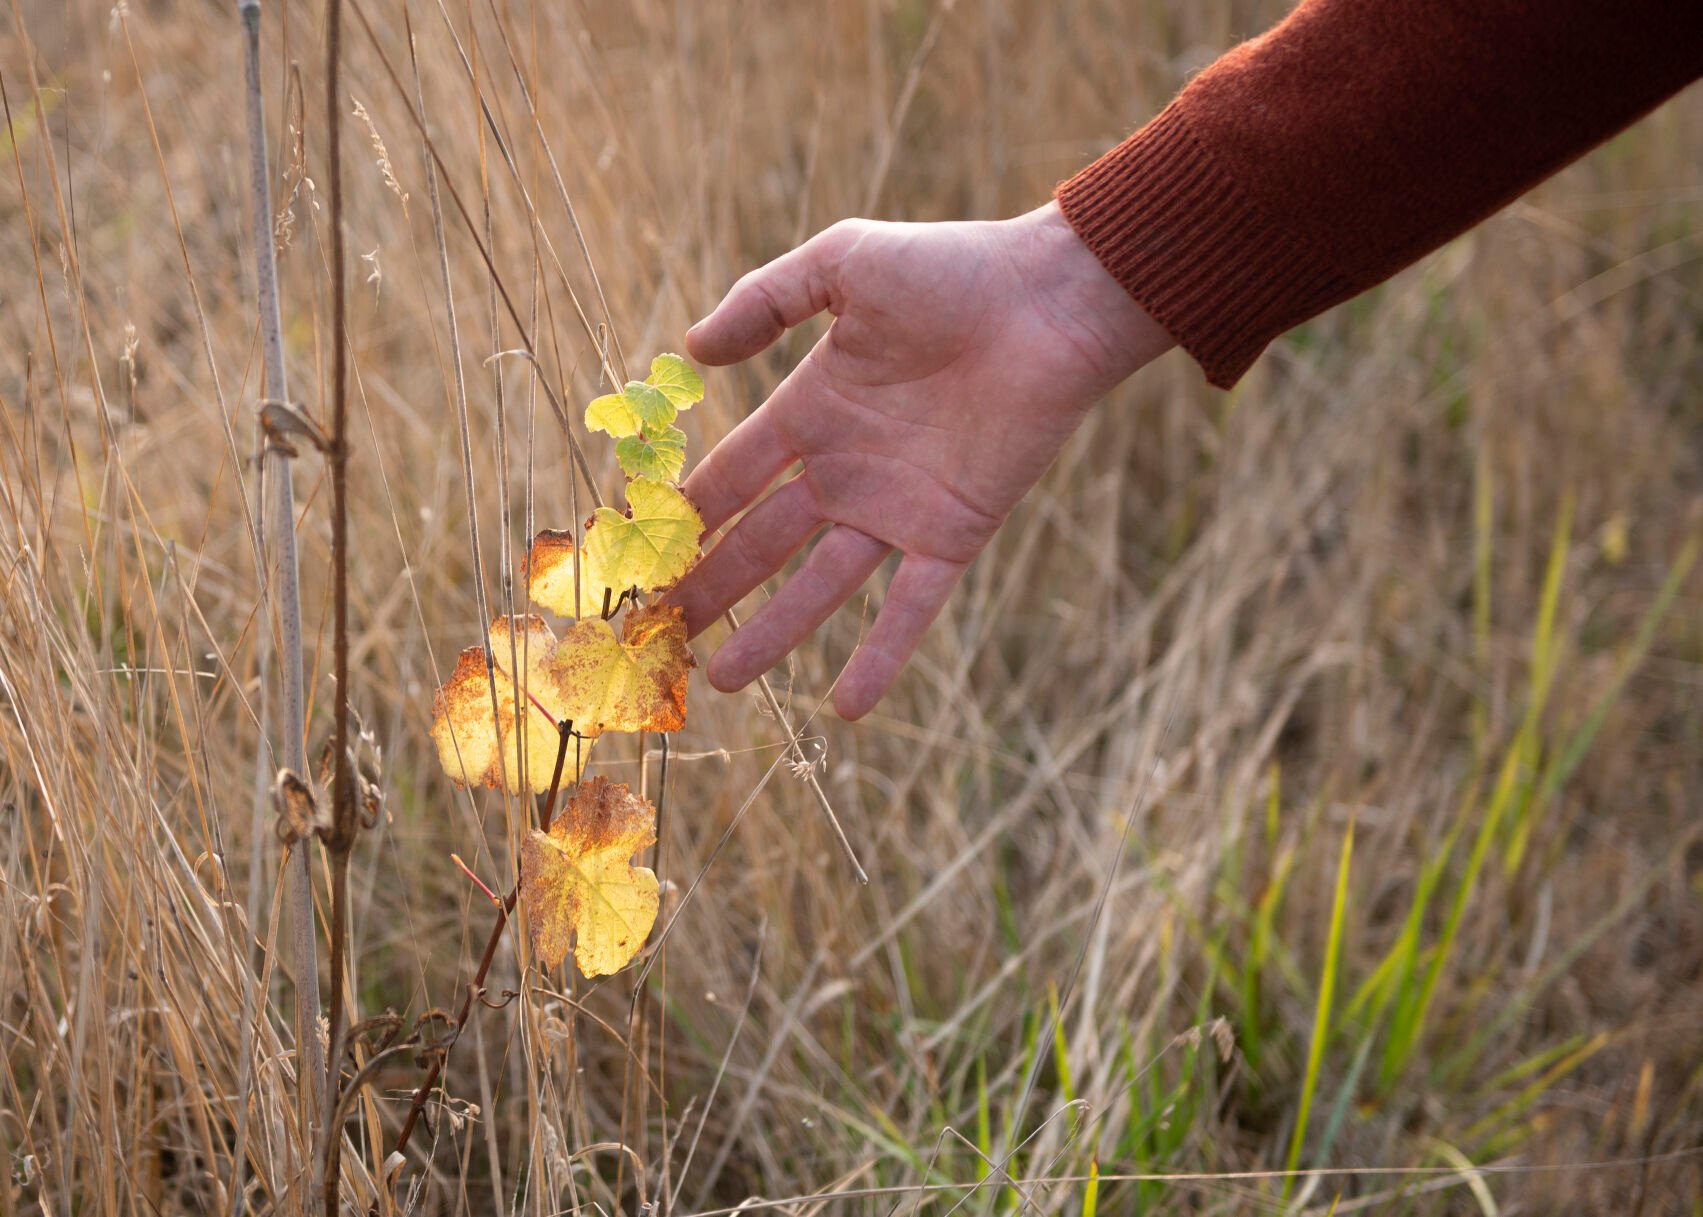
275, 471
344, 823
477, 985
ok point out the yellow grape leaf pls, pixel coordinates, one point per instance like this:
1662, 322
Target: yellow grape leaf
650, 546
611, 413
578, 880
479, 748
676, 379
624, 413
661, 455
634, 683
550, 576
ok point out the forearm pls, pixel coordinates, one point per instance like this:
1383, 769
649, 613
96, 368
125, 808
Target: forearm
1310, 164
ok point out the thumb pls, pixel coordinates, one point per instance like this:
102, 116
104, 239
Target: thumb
772, 299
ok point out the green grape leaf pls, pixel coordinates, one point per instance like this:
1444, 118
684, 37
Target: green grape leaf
676, 379
650, 405
624, 413
649, 547
660, 456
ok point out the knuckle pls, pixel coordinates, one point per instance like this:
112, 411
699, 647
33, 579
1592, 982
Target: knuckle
813, 585
764, 291
748, 551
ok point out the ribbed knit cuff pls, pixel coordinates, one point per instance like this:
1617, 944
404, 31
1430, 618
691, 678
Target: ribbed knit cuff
1193, 249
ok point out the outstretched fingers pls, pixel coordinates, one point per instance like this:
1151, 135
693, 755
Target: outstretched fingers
920, 589
840, 564
756, 311
773, 298
755, 548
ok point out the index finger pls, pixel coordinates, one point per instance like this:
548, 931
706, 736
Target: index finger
738, 469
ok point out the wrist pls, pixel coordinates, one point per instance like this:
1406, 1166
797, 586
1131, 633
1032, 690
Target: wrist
1066, 280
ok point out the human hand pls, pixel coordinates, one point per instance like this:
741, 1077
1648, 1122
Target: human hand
961, 358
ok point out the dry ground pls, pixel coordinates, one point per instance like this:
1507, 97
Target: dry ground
1226, 636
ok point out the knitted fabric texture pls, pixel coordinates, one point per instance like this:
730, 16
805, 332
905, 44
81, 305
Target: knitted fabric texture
1310, 164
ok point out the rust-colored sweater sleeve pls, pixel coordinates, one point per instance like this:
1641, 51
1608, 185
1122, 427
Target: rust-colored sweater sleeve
1311, 163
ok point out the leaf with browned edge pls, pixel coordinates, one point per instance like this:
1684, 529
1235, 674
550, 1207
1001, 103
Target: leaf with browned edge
649, 546
550, 576
478, 748
577, 880
634, 683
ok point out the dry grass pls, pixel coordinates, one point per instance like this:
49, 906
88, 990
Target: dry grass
1225, 629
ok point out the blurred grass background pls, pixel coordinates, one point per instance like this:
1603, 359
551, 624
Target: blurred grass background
1380, 679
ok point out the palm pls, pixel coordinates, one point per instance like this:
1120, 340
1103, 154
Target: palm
899, 410
947, 383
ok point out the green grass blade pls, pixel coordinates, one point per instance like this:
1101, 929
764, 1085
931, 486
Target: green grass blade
1483, 521
1544, 666
984, 1122
1322, 1012
1344, 1099
1521, 1102
1061, 1050
1412, 1013
1252, 1037
1563, 763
